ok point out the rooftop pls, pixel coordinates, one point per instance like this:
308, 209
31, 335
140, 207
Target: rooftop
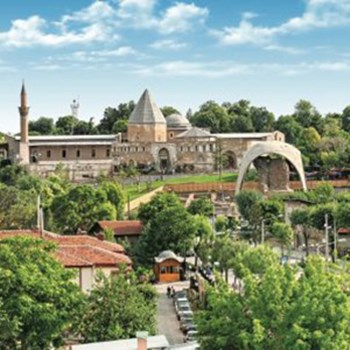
123, 228
146, 111
196, 133
79, 250
155, 342
244, 135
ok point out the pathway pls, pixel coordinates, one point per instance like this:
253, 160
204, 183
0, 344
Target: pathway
167, 322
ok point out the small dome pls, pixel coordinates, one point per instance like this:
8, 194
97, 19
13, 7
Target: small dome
177, 121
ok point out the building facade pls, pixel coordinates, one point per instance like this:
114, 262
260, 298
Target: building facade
151, 142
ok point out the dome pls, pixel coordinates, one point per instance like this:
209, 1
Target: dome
177, 121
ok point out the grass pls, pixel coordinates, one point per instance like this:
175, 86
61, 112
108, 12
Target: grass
134, 191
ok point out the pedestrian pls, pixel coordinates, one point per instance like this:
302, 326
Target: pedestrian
168, 291
172, 292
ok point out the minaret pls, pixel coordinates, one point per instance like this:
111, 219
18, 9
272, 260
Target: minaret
23, 111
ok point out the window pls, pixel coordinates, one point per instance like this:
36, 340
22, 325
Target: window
93, 153
64, 153
163, 269
196, 148
108, 152
210, 147
48, 154
78, 153
171, 135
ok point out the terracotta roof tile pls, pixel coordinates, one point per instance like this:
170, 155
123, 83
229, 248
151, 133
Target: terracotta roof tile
123, 228
78, 251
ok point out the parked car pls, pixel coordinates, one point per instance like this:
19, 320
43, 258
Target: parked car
183, 307
179, 295
182, 303
190, 336
185, 322
184, 314
189, 327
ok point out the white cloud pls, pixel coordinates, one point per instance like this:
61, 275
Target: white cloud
219, 69
317, 14
168, 44
182, 17
102, 21
32, 31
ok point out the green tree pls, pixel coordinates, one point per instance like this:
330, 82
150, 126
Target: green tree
112, 115
115, 196
83, 127
262, 119
80, 208
301, 217
172, 228
168, 110
283, 233
120, 125
37, 295
245, 200
117, 308
283, 308
290, 127
212, 116
345, 119
17, 208
157, 204
307, 115
201, 206
66, 125
42, 126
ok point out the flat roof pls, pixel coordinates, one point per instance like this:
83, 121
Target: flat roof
43, 138
153, 342
244, 135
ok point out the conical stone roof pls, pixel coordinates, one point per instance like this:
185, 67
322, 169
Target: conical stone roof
146, 111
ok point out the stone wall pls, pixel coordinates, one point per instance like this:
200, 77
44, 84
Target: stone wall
147, 133
71, 152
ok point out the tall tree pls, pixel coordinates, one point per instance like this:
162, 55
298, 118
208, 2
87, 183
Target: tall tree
117, 308
42, 126
38, 297
212, 116
281, 309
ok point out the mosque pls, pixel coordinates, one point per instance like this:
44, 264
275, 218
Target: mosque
152, 141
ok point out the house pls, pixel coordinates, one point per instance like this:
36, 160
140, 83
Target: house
142, 342
122, 229
84, 254
168, 267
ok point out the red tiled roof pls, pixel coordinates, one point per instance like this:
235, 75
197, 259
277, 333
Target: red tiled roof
343, 231
69, 260
123, 228
96, 256
78, 251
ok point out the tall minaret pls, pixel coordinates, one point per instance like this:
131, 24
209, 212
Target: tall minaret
23, 111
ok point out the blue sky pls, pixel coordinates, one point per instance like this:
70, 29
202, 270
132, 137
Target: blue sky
271, 52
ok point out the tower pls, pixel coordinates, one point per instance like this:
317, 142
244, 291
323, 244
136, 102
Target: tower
75, 108
23, 111
23, 149
146, 122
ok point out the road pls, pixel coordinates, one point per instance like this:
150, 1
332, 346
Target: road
167, 322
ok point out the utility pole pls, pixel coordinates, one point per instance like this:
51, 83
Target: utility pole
327, 236
262, 231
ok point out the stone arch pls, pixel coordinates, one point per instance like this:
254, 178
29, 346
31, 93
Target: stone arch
285, 150
230, 160
164, 159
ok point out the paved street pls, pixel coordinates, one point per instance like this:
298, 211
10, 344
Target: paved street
167, 322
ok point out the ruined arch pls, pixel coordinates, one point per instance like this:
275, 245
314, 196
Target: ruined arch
285, 150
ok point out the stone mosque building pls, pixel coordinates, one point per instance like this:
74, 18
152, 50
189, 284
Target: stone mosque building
151, 142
